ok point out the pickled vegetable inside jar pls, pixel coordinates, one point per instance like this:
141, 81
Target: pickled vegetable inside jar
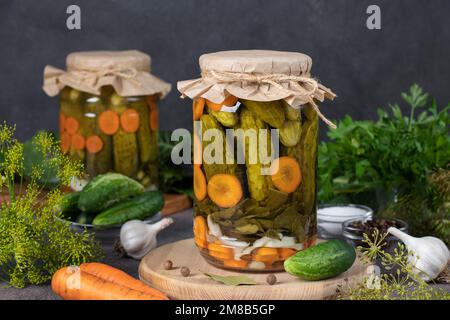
255, 197
109, 117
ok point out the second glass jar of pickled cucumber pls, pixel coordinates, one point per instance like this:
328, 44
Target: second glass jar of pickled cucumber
255, 157
108, 115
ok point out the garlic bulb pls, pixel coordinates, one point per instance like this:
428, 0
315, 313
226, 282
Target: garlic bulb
138, 238
430, 254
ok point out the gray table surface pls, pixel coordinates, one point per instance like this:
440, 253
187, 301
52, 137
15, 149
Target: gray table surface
181, 229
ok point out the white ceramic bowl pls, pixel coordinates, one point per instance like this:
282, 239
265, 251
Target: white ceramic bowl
330, 218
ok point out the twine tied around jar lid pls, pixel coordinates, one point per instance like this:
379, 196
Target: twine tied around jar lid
91, 76
258, 75
128, 72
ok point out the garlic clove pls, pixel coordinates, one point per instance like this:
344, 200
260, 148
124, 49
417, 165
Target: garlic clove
214, 228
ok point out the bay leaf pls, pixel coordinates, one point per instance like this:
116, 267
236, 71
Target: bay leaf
231, 280
276, 198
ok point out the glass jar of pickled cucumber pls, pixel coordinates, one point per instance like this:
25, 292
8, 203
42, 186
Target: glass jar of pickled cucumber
108, 115
255, 157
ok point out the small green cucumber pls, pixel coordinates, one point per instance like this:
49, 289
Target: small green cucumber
325, 260
139, 207
106, 190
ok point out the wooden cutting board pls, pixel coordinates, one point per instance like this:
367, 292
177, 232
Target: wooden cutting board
198, 286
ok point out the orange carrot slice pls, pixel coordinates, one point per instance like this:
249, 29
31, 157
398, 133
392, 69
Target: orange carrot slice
200, 231
225, 190
78, 141
266, 255
285, 174
94, 144
72, 125
219, 251
62, 122
109, 122
129, 120
153, 118
198, 151
199, 184
235, 263
286, 253
198, 105
65, 142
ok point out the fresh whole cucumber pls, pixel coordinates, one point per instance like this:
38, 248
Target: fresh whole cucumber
107, 189
325, 260
139, 207
68, 205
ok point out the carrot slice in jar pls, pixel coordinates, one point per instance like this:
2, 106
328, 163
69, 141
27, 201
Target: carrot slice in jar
235, 263
153, 117
199, 184
65, 142
285, 174
198, 105
94, 144
229, 101
62, 122
219, 251
266, 255
72, 125
225, 190
109, 122
129, 120
200, 231
286, 253
78, 141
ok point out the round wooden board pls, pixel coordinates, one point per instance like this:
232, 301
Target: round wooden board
198, 286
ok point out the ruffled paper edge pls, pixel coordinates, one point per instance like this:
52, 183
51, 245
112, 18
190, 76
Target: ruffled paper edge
217, 92
55, 80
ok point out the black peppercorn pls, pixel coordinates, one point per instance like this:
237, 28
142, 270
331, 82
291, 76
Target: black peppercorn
168, 265
271, 279
185, 271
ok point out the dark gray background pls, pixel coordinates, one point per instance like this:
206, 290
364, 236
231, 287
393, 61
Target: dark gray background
367, 69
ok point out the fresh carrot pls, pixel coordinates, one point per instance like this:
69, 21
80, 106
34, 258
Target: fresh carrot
109, 122
229, 101
263, 254
225, 190
199, 184
62, 122
65, 142
200, 232
285, 253
73, 283
72, 125
285, 174
94, 144
219, 251
151, 101
235, 263
116, 276
129, 120
78, 141
198, 105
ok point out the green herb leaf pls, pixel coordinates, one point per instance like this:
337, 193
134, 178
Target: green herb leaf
231, 280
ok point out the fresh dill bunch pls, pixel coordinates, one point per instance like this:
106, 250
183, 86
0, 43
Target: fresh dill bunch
34, 241
402, 284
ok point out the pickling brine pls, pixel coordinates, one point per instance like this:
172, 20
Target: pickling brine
251, 214
108, 117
